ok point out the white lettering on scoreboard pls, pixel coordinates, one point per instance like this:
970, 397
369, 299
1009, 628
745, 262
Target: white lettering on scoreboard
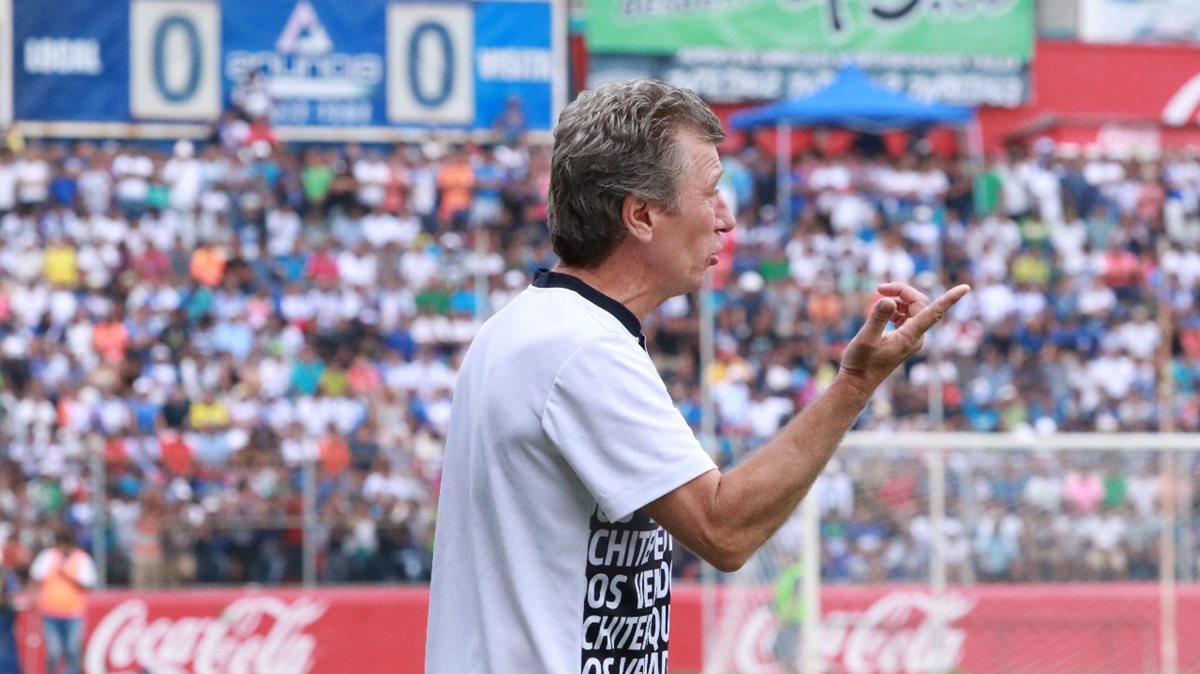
515, 65
62, 56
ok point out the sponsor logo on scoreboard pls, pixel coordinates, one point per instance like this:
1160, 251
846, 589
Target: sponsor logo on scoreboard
310, 79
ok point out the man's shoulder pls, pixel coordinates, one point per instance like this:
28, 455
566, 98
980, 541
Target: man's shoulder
552, 315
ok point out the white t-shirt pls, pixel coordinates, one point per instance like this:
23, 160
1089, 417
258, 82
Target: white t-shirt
561, 431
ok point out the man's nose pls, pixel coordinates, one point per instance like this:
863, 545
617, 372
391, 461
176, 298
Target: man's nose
725, 215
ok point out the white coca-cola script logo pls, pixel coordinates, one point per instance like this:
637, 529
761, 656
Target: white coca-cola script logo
254, 635
1184, 103
901, 633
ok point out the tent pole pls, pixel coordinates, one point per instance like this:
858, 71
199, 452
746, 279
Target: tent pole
783, 171
975, 143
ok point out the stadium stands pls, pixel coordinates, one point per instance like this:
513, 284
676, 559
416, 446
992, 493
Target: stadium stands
205, 318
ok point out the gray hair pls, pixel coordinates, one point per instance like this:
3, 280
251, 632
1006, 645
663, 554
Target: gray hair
612, 141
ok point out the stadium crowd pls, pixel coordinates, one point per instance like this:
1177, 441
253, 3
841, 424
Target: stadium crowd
218, 324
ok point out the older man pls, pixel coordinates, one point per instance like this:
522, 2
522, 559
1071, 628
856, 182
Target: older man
568, 471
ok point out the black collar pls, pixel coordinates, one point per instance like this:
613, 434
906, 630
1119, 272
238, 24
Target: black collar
545, 278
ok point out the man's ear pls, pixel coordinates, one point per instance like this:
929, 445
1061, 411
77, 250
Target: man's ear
638, 216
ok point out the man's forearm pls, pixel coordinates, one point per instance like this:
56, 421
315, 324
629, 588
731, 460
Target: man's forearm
755, 498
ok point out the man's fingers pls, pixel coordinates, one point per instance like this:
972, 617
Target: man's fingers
905, 294
930, 315
881, 315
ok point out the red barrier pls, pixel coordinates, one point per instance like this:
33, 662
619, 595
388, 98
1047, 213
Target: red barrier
245, 631
999, 629
986, 629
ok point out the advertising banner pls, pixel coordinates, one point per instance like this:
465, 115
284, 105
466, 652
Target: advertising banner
280, 631
322, 68
972, 52
1122, 21
866, 629
1100, 94
334, 71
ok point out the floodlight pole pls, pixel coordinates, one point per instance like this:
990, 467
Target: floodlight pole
708, 437
99, 518
1171, 480
783, 172
310, 522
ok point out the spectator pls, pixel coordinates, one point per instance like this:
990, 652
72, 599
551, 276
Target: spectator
64, 574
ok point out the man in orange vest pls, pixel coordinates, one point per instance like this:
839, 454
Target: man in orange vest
64, 574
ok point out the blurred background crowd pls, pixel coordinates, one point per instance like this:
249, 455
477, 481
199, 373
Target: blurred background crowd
212, 325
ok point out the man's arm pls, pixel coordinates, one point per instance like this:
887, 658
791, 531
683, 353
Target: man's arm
724, 518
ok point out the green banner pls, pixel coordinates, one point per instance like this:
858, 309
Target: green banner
1002, 28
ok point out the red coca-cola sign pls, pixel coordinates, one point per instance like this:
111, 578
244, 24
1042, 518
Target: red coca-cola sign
251, 634
869, 629
257, 632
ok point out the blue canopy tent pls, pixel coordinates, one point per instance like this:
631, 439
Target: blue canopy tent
852, 101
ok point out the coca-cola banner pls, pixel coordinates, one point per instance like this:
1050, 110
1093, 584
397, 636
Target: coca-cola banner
986, 629
326, 631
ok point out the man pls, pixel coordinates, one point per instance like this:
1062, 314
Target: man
64, 575
566, 460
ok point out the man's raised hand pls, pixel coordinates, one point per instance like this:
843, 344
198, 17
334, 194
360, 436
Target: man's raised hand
873, 354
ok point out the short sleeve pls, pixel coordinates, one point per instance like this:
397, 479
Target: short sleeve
86, 571
40, 568
610, 416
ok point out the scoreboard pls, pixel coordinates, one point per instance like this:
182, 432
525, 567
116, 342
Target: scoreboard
361, 70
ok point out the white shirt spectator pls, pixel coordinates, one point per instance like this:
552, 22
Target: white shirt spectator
1029, 302
283, 228
1139, 338
184, 177
358, 268
932, 185
380, 228
33, 178
1097, 300
372, 174
1044, 491
1046, 189
395, 302
133, 172
62, 305
1142, 492
95, 188
8, 186
767, 413
889, 261
298, 449
419, 267
833, 176
296, 306
280, 413
1106, 531
30, 302
1113, 373
32, 416
423, 196
274, 375
996, 302
849, 212
22, 261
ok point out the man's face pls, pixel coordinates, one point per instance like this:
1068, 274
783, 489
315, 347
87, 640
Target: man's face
686, 242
